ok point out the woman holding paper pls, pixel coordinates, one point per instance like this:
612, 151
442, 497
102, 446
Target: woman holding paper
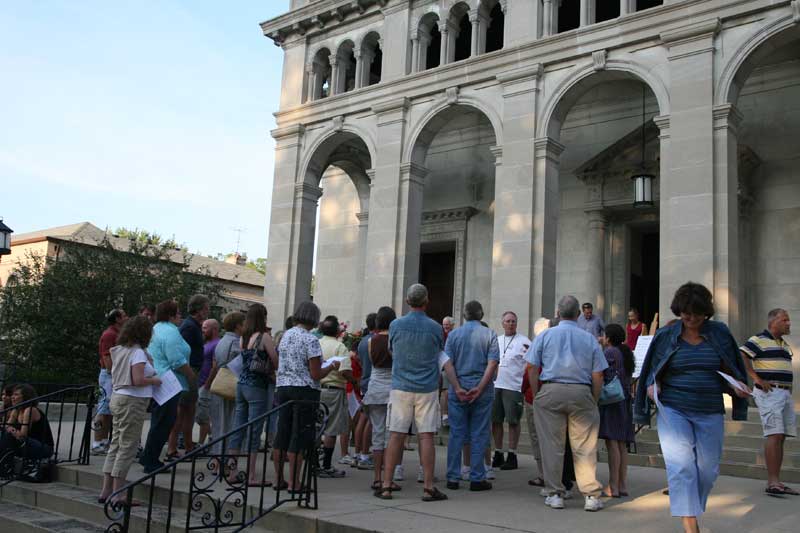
132, 380
170, 353
681, 375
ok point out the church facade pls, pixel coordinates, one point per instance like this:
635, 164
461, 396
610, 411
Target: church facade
513, 151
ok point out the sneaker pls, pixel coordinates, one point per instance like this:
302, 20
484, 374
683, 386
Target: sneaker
365, 464
330, 473
100, 449
511, 462
465, 473
544, 493
554, 501
399, 473
592, 504
497, 459
347, 460
568, 494
490, 472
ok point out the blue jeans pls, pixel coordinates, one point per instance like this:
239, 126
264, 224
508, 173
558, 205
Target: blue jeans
469, 423
251, 403
692, 446
104, 398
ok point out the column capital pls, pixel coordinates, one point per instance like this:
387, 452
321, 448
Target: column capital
497, 152
597, 218
547, 148
363, 218
307, 191
370, 172
727, 116
413, 173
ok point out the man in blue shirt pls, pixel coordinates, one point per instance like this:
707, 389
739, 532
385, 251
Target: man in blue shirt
473, 351
572, 364
416, 342
591, 322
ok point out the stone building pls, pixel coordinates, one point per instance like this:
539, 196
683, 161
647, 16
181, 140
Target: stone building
486, 148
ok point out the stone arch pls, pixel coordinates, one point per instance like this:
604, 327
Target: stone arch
758, 46
349, 148
435, 118
319, 71
582, 80
371, 55
427, 42
459, 31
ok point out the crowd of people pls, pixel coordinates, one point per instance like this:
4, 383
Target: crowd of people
572, 382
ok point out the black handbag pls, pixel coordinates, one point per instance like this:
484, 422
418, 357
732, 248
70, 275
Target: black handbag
259, 365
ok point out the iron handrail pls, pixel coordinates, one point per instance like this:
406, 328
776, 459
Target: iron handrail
236, 489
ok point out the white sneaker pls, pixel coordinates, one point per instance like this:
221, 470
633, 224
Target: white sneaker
554, 501
399, 473
568, 494
465, 473
592, 504
490, 472
544, 493
346, 460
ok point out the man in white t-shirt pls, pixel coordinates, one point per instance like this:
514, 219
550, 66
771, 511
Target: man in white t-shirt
508, 398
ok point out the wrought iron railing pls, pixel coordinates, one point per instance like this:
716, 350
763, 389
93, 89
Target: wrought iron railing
218, 488
70, 444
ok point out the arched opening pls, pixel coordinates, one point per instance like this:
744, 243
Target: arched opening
766, 92
606, 250
372, 59
462, 39
496, 28
647, 4
340, 166
456, 229
345, 68
320, 75
569, 15
428, 45
606, 11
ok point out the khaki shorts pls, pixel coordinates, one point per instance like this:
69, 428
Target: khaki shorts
421, 408
338, 417
202, 414
777, 411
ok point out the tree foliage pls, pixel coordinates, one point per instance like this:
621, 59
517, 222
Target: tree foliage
145, 237
259, 265
52, 310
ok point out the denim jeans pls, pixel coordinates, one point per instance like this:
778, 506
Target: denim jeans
692, 446
251, 403
162, 419
469, 423
30, 448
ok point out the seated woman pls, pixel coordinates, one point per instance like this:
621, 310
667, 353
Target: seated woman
26, 432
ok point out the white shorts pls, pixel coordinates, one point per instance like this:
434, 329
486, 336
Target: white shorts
777, 411
407, 408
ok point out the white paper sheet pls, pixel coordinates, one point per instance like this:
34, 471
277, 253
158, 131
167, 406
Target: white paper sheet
236, 365
170, 386
442, 360
329, 362
733, 383
352, 404
642, 344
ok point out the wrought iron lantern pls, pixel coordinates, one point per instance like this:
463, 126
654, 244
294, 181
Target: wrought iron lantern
5, 238
642, 181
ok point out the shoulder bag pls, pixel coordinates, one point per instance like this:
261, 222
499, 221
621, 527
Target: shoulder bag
224, 384
258, 365
612, 392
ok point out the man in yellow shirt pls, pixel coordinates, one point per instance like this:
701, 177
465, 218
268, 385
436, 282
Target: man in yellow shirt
334, 393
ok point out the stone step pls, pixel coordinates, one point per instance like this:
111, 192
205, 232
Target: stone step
731, 453
15, 517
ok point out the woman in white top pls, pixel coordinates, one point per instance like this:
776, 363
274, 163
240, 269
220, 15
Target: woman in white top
132, 380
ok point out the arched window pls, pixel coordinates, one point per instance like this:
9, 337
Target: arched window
569, 15
344, 68
495, 26
319, 75
426, 44
371, 61
647, 4
459, 39
606, 11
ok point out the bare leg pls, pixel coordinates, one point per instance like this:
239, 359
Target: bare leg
107, 489
295, 468
172, 442
773, 452
392, 456
377, 458
205, 429
187, 425
344, 443
623, 467
428, 457
613, 468
278, 457
690, 524
513, 436
497, 433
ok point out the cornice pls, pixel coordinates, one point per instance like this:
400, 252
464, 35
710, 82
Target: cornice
691, 32
449, 215
317, 15
294, 130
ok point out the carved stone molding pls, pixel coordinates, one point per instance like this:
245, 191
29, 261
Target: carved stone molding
306, 191
548, 148
451, 95
497, 152
599, 59
726, 116
413, 173
449, 216
338, 122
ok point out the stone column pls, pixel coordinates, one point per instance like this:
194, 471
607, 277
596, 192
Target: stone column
546, 194
547, 25
625, 7
292, 225
727, 263
687, 188
311, 82
415, 52
445, 42
335, 87
360, 56
597, 224
586, 13
386, 243
361, 264
664, 224
475, 20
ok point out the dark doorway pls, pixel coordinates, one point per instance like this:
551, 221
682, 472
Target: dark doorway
644, 273
437, 272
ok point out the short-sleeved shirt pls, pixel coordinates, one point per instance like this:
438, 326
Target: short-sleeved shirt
333, 348
192, 333
108, 340
690, 382
512, 361
470, 348
169, 351
772, 358
415, 342
366, 364
227, 348
208, 357
296, 348
594, 325
145, 391
567, 354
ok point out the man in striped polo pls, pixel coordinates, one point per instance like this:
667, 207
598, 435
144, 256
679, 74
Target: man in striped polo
768, 359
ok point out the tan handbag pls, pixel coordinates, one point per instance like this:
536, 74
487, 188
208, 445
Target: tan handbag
224, 384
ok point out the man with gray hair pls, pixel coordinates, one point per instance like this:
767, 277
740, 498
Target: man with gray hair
768, 359
416, 342
572, 365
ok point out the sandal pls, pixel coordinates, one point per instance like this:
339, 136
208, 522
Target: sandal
775, 490
433, 495
789, 490
283, 485
384, 493
536, 482
172, 456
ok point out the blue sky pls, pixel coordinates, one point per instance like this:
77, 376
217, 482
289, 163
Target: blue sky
148, 114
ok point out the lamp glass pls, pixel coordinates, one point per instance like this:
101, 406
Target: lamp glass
643, 190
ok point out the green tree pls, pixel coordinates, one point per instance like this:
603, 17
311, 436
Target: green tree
52, 311
260, 264
145, 237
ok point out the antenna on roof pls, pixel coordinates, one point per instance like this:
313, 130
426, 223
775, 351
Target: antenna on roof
239, 232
